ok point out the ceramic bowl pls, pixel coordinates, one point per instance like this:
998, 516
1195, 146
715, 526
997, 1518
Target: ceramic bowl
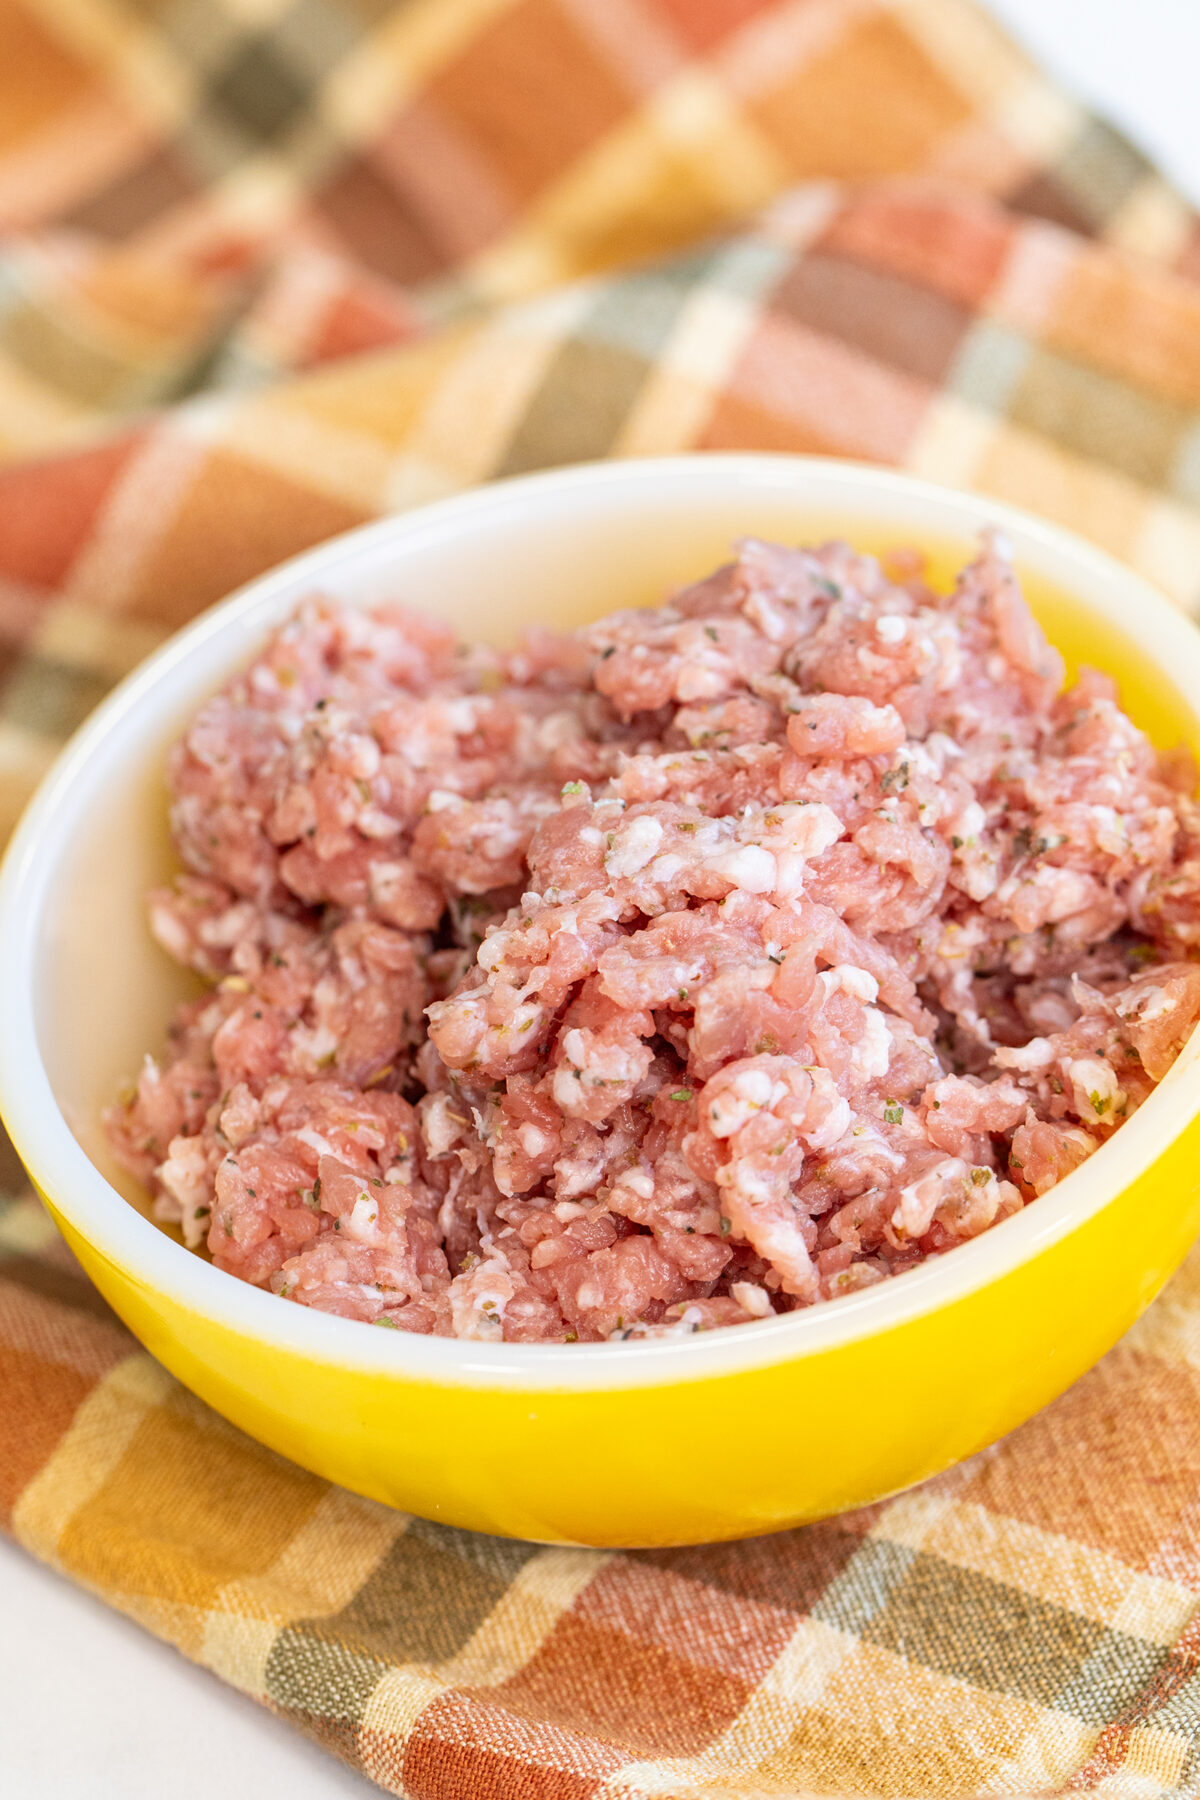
718, 1435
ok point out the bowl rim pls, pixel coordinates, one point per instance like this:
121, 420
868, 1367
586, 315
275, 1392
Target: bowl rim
119, 1235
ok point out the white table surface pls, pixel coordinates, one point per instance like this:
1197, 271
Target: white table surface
74, 1677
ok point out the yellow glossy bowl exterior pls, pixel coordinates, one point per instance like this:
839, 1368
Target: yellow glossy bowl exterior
718, 1435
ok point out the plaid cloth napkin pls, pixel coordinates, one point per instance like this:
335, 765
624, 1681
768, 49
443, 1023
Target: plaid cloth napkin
357, 255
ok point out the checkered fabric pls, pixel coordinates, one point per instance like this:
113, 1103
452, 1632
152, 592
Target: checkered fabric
271, 267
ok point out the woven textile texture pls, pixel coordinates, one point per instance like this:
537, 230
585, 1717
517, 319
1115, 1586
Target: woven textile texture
271, 267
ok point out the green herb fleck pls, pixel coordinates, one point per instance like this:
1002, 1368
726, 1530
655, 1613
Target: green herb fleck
682, 1094
893, 1112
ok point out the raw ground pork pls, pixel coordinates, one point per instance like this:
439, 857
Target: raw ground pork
701, 965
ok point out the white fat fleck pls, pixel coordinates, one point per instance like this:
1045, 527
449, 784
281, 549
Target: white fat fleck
478, 1298
441, 1123
460, 716
751, 1298
919, 761
790, 870
633, 847
315, 1044
873, 1052
185, 1178
746, 1095
639, 1182
683, 1326
315, 1141
373, 822
771, 620
567, 1090
937, 748
499, 843
384, 876
1097, 1092
1146, 1005
533, 1141
971, 820
170, 932
443, 800
228, 926
812, 829
361, 755
1036, 1054
834, 1122
891, 628
771, 1229
698, 681
362, 1221
557, 728
492, 951
748, 867
919, 1201
848, 979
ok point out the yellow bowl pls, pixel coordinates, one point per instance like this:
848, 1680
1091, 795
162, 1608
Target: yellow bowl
721, 1434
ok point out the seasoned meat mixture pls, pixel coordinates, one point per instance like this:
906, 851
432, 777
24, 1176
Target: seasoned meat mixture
704, 964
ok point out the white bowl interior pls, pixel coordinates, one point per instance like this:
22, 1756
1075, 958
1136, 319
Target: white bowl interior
556, 549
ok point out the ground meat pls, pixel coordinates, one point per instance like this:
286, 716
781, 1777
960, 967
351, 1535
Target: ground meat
705, 964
